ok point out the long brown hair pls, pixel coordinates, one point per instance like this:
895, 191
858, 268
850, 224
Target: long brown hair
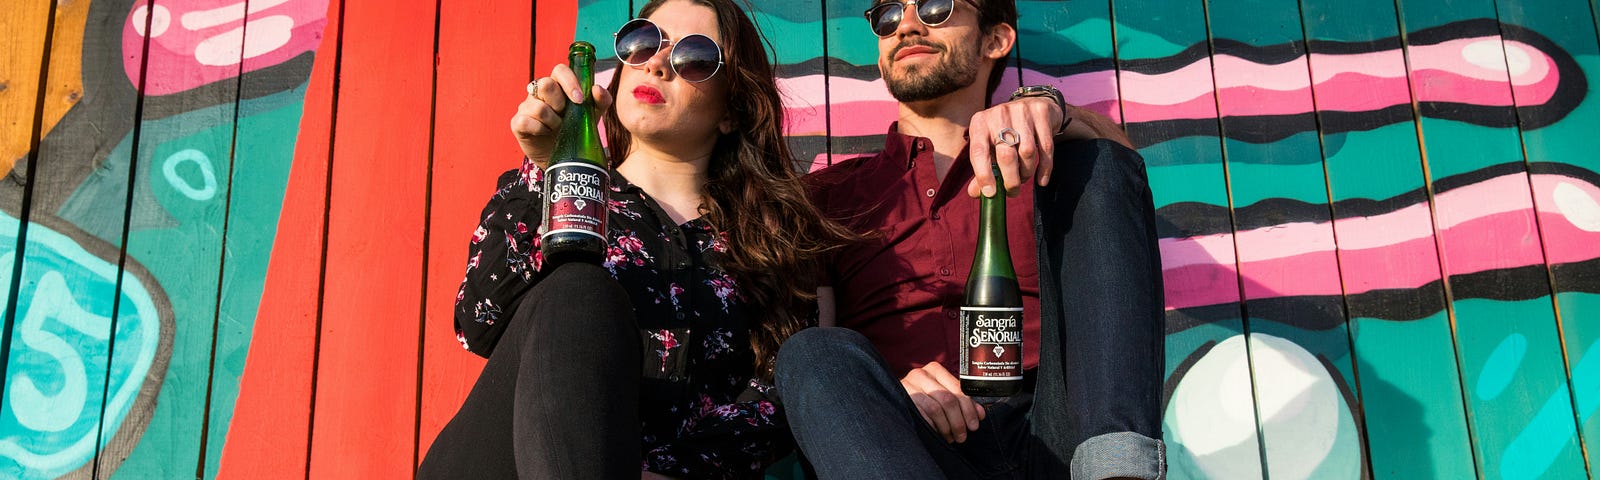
778, 238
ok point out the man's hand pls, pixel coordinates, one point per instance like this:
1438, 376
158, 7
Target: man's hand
538, 117
1035, 119
938, 397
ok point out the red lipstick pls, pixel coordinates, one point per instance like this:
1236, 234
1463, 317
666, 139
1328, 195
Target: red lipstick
648, 94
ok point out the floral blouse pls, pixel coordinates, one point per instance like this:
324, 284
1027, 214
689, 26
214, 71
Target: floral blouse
703, 412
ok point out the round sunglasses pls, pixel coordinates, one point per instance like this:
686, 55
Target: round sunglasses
885, 17
694, 58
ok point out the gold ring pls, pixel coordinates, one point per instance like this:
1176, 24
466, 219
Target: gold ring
1009, 137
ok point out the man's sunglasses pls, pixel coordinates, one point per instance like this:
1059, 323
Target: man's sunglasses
694, 58
885, 17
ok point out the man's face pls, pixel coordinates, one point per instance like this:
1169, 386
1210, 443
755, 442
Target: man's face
919, 62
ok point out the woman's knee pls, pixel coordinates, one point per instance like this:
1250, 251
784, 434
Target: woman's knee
576, 303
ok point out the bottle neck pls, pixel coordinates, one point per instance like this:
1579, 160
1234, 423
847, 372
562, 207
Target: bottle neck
994, 253
579, 137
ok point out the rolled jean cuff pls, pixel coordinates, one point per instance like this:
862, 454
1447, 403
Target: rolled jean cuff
1120, 454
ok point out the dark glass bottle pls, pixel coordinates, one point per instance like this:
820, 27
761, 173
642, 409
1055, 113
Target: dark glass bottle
991, 315
576, 182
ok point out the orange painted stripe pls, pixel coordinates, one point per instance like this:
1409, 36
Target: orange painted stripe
270, 430
364, 424
479, 89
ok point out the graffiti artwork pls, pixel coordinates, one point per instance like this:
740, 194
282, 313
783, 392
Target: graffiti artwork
1379, 221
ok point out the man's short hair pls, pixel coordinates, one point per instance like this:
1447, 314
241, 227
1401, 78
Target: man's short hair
990, 14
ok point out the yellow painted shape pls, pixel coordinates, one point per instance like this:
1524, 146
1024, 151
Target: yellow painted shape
22, 26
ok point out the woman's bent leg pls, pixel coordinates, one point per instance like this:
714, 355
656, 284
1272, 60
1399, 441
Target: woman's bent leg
559, 395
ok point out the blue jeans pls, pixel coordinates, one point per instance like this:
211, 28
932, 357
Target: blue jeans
1094, 407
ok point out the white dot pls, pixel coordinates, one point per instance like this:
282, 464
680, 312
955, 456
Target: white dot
1518, 61
1299, 404
158, 23
1578, 206
1486, 54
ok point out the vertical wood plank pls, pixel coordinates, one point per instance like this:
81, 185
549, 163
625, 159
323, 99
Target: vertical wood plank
60, 365
1495, 274
1558, 143
368, 355
184, 163
24, 50
860, 108
1405, 353
1068, 45
596, 21
270, 432
471, 145
272, 91
1292, 295
791, 27
1169, 105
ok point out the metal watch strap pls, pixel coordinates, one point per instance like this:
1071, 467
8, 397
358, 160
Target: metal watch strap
1050, 92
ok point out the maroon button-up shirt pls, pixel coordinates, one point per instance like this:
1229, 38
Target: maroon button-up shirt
903, 287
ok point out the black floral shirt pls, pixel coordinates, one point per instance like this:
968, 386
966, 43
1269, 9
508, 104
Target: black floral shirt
703, 412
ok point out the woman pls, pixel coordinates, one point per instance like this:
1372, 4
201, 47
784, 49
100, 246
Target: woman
711, 240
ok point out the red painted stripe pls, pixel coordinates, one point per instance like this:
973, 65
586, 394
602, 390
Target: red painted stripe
472, 145
369, 352
272, 419
556, 27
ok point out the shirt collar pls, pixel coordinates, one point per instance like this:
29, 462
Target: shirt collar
899, 145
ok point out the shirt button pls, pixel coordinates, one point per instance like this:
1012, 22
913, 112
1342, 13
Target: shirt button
680, 315
936, 215
930, 193
944, 271
952, 314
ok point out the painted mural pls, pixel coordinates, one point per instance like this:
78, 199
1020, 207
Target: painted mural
1379, 220
139, 211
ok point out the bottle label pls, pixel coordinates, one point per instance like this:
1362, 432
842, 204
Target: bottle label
991, 343
576, 192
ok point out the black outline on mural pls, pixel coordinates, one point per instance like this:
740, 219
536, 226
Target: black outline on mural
1570, 91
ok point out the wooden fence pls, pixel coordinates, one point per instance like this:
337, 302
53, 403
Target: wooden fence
233, 230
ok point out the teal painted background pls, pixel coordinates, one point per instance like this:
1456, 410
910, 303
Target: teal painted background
1379, 221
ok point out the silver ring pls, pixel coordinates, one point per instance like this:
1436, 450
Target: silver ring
533, 88
1009, 137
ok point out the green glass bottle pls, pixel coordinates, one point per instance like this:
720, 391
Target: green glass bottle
576, 182
991, 315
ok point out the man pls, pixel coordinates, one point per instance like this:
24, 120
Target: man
876, 399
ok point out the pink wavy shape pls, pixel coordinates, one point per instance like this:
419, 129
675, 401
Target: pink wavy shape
1394, 250
1470, 71
199, 42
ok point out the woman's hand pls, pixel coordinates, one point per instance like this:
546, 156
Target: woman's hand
538, 118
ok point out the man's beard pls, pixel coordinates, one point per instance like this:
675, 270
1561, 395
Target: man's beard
955, 70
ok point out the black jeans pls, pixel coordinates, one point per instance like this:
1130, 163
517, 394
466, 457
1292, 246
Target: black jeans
1094, 410
559, 395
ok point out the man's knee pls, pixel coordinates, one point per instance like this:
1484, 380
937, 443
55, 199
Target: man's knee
820, 353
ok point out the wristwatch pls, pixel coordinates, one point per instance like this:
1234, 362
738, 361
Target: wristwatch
1051, 93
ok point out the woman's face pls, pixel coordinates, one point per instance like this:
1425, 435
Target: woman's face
663, 110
